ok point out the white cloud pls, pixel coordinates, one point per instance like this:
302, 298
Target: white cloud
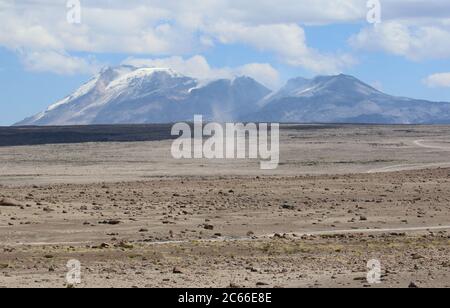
418, 10
198, 67
63, 64
143, 28
410, 41
441, 80
17, 33
288, 41
261, 72
170, 27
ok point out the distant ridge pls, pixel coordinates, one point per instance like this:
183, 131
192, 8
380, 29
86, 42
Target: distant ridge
131, 95
345, 99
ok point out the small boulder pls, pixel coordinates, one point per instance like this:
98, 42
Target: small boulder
7, 202
261, 284
288, 207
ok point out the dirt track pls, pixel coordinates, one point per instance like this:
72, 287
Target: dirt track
304, 150
186, 222
134, 217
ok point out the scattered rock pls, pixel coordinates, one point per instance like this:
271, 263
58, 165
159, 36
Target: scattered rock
253, 270
412, 285
288, 207
7, 202
261, 284
417, 256
110, 222
176, 270
125, 245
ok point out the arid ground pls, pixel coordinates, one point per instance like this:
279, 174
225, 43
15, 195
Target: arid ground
135, 217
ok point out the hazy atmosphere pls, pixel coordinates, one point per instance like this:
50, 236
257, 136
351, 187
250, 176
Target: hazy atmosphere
43, 57
244, 148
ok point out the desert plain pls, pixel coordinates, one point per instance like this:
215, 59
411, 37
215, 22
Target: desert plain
135, 217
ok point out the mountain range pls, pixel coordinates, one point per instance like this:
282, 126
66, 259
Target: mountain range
131, 95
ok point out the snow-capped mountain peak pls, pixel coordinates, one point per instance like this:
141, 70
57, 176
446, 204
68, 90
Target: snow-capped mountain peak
299, 87
83, 90
128, 94
344, 98
131, 95
125, 79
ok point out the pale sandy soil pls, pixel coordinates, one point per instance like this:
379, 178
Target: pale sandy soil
341, 150
131, 214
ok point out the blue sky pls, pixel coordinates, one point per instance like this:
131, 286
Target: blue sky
44, 57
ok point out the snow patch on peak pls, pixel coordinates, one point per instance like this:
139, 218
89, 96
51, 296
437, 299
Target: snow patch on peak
83, 90
148, 71
139, 74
